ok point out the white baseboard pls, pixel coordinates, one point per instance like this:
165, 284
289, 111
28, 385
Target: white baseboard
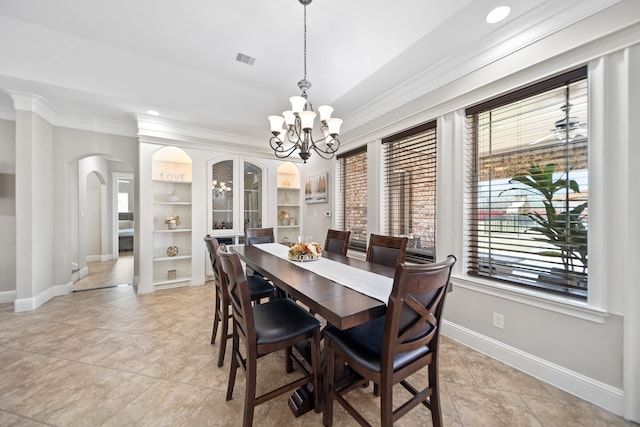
26, 304
589, 389
7, 296
84, 271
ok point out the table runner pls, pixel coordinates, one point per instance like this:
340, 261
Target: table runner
368, 283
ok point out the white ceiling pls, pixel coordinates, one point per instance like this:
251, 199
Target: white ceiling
111, 60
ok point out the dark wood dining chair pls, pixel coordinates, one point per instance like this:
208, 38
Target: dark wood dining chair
389, 349
254, 236
337, 241
387, 250
258, 289
263, 329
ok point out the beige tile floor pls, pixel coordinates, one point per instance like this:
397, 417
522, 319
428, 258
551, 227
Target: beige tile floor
109, 357
107, 273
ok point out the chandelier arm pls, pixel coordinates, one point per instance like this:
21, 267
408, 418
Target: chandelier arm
325, 154
279, 149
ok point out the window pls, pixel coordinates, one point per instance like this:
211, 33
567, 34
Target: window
410, 190
529, 184
352, 174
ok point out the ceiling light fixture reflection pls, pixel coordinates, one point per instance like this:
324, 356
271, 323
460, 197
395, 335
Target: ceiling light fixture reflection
498, 14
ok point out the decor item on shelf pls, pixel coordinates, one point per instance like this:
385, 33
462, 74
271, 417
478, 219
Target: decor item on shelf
220, 188
172, 221
172, 250
173, 197
171, 275
297, 133
305, 251
284, 217
285, 199
292, 221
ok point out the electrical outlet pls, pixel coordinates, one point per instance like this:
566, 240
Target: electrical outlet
498, 320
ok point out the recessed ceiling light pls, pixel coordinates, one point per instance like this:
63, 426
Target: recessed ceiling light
153, 112
498, 14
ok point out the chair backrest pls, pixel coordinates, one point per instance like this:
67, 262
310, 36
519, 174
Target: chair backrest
337, 241
254, 236
212, 247
238, 291
415, 308
219, 277
387, 250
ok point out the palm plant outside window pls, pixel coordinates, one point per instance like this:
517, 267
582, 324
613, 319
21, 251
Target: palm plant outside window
528, 188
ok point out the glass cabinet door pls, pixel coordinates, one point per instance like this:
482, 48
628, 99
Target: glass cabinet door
252, 178
222, 195
237, 193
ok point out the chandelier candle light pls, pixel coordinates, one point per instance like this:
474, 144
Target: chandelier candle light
297, 133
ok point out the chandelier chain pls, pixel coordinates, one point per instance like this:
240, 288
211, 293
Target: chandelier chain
305, 42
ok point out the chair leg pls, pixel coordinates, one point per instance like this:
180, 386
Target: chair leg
315, 366
288, 363
386, 402
234, 365
224, 334
250, 393
328, 383
434, 400
216, 318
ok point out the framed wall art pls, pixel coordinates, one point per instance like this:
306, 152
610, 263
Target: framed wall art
315, 189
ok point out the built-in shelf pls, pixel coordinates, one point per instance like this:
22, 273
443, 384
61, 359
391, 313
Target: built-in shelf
172, 258
288, 200
171, 198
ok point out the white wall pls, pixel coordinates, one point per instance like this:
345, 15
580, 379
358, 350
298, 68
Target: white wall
7, 210
588, 348
315, 224
72, 145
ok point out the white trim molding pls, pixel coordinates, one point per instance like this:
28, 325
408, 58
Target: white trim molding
7, 296
593, 391
26, 304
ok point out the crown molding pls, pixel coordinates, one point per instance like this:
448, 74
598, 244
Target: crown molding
155, 127
24, 101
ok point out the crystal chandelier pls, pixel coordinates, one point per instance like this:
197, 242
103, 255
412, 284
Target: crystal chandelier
297, 133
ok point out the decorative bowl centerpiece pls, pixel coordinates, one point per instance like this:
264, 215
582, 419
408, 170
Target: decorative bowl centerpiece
305, 252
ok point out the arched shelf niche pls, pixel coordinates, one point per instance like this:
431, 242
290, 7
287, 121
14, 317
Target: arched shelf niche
288, 203
172, 218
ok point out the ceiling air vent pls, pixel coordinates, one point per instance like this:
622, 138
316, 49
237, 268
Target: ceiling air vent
245, 59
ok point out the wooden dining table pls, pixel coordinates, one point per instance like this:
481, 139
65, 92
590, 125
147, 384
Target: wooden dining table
339, 305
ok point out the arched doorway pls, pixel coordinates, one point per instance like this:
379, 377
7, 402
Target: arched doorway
99, 261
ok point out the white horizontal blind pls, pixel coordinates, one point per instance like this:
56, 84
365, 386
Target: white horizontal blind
410, 190
528, 192
353, 179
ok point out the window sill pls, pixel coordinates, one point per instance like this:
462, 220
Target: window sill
532, 297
